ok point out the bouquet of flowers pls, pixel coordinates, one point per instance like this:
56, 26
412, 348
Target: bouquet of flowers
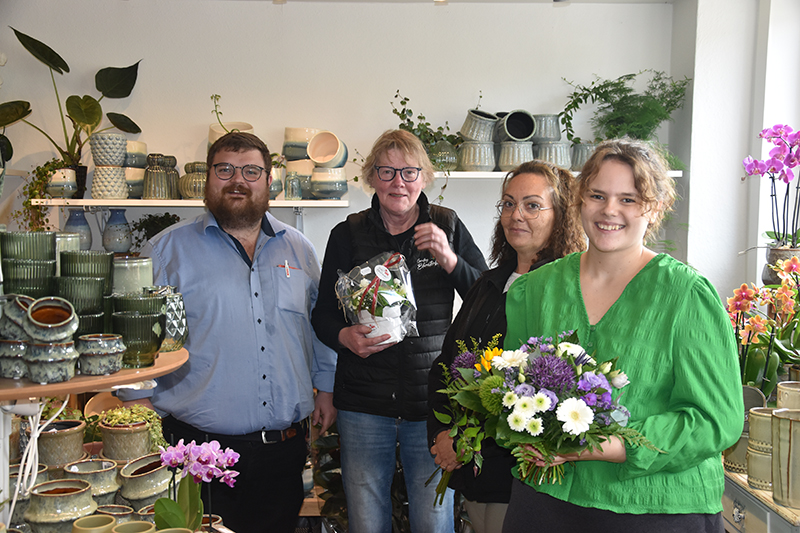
378, 294
545, 399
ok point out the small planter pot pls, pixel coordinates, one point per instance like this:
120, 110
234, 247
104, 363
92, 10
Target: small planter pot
100, 353
24, 498
144, 480
50, 362
55, 505
61, 442
12, 364
51, 319
147, 514
124, 443
101, 474
479, 126
122, 513
134, 527
97, 523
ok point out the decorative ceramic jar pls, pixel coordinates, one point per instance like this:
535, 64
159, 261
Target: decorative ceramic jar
156, 181
443, 156
580, 155
177, 326
547, 129
192, 185
50, 362
12, 364
125, 443
117, 232
55, 505
516, 126
476, 156
328, 183
144, 480
325, 149
101, 474
109, 183
77, 223
170, 162
108, 149
51, 319
513, 154
61, 442
554, 152
63, 183
479, 126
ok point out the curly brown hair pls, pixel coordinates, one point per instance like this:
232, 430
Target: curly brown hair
655, 187
567, 236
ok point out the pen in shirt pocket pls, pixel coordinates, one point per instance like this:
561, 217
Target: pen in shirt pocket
286, 266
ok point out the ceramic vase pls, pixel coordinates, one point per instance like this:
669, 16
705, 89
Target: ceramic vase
443, 155
117, 233
109, 183
156, 182
77, 223
102, 475
192, 185
479, 126
144, 480
476, 156
55, 505
170, 162
513, 154
108, 149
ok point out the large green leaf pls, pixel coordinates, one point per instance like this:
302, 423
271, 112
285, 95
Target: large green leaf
123, 123
42, 52
168, 514
85, 111
11, 112
116, 82
6, 150
190, 502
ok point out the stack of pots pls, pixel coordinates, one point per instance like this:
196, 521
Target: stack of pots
295, 151
92, 264
329, 154
547, 143
135, 163
29, 262
496, 141
109, 152
476, 153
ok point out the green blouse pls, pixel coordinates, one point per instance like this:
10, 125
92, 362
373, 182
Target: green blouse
675, 342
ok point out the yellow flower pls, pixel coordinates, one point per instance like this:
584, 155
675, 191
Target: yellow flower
486, 359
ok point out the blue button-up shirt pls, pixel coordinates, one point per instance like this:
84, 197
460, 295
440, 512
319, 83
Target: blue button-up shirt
253, 355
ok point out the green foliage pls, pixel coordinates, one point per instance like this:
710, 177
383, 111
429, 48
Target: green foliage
85, 113
186, 512
422, 128
623, 112
149, 225
34, 217
123, 416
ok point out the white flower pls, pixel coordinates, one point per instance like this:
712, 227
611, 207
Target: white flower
620, 380
363, 283
604, 367
509, 359
509, 399
525, 407
534, 426
574, 350
516, 421
576, 415
542, 402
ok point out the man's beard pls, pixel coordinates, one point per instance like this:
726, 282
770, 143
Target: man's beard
237, 214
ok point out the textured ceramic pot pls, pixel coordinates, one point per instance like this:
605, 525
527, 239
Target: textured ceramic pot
109, 183
580, 155
170, 163
122, 513
761, 429
759, 469
135, 154
65, 241
325, 149
156, 181
55, 505
23, 499
85, 294
479, 126
786, 457
117, 232
99, 343
51, 363
547, 129
134, 178
12, 364
554, 151
40, 245
176, 324
476, 156
144, 480
77, 223
515, 126
102, 475
108, 148
51, 319
96, 523
134, 527
513, 154
192, 185
63, 183
734, 459
91, 264
789, 395
131, 274
328, 183
61, 442
125, 443
15, 311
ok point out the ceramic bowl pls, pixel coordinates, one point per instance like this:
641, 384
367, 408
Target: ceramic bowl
142, 334
51, 319
108, 148
40, 245
325, 149
12, 364
89, 263
134, 177
131, 274
144, 480
122, 513
55, 505
85, 294
101, 474
62, 183
25, 269
140, 302
96, 523
91, 324
328, 183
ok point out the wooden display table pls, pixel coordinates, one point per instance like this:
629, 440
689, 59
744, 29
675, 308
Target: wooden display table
312, 505
749, 510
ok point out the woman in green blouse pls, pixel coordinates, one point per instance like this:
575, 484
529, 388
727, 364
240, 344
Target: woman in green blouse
668, 327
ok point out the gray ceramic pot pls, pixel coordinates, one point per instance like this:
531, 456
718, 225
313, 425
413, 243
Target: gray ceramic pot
55, 505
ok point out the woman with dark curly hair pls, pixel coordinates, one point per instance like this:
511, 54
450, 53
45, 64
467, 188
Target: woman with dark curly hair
536, 224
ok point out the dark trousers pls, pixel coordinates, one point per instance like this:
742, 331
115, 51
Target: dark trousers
268, 492
530, 511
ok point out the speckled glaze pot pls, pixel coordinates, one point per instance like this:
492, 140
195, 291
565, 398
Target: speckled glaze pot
24, 498
12, 365
101, 474
14, 313
123, 513
50, 362
55, 505
147, 514
100, 353
51, 319
144, 480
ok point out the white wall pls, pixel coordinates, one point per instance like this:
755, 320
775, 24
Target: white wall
326, 65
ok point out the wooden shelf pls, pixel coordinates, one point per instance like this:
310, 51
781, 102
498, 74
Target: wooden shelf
166, 362
500, 175
110, 202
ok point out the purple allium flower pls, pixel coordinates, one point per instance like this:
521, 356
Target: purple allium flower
590, 381
553, 398
590, 399
464, 360
551, 372
524, 389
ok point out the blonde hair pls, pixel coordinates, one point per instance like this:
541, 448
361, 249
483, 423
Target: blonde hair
408, 144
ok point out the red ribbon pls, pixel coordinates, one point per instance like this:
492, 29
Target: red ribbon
394, 259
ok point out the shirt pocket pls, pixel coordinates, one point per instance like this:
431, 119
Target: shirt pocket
293, 292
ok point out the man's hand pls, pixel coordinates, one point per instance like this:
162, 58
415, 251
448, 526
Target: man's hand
324, 412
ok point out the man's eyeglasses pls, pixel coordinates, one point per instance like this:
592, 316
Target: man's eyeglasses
528, 210
225, 171
407, 174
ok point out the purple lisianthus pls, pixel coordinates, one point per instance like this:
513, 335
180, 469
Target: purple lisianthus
551, 372
524, 389
590, 399
553, 398
590, 381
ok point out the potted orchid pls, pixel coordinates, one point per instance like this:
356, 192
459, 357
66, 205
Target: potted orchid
197, 463
778, 168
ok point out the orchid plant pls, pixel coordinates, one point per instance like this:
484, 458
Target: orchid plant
779, 168
198, 463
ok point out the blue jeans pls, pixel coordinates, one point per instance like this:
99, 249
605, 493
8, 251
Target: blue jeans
368, 450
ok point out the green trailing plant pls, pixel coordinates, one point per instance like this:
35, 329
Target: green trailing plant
278, 161
33, 217
622, 111
53, 404
422, 128
149, 225
125, 416
84, 112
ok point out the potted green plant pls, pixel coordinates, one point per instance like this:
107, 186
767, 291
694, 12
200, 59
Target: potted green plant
34, 217
150, 225
131, 432
84, 112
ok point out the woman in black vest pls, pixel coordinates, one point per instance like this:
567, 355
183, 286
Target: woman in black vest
381, 389
536, 224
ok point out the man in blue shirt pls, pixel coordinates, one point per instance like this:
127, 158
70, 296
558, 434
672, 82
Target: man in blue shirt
249, 283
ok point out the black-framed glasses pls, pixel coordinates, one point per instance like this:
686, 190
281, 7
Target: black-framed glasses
407, 174
528, 210
225, 171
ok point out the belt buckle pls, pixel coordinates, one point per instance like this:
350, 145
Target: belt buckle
264, 438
